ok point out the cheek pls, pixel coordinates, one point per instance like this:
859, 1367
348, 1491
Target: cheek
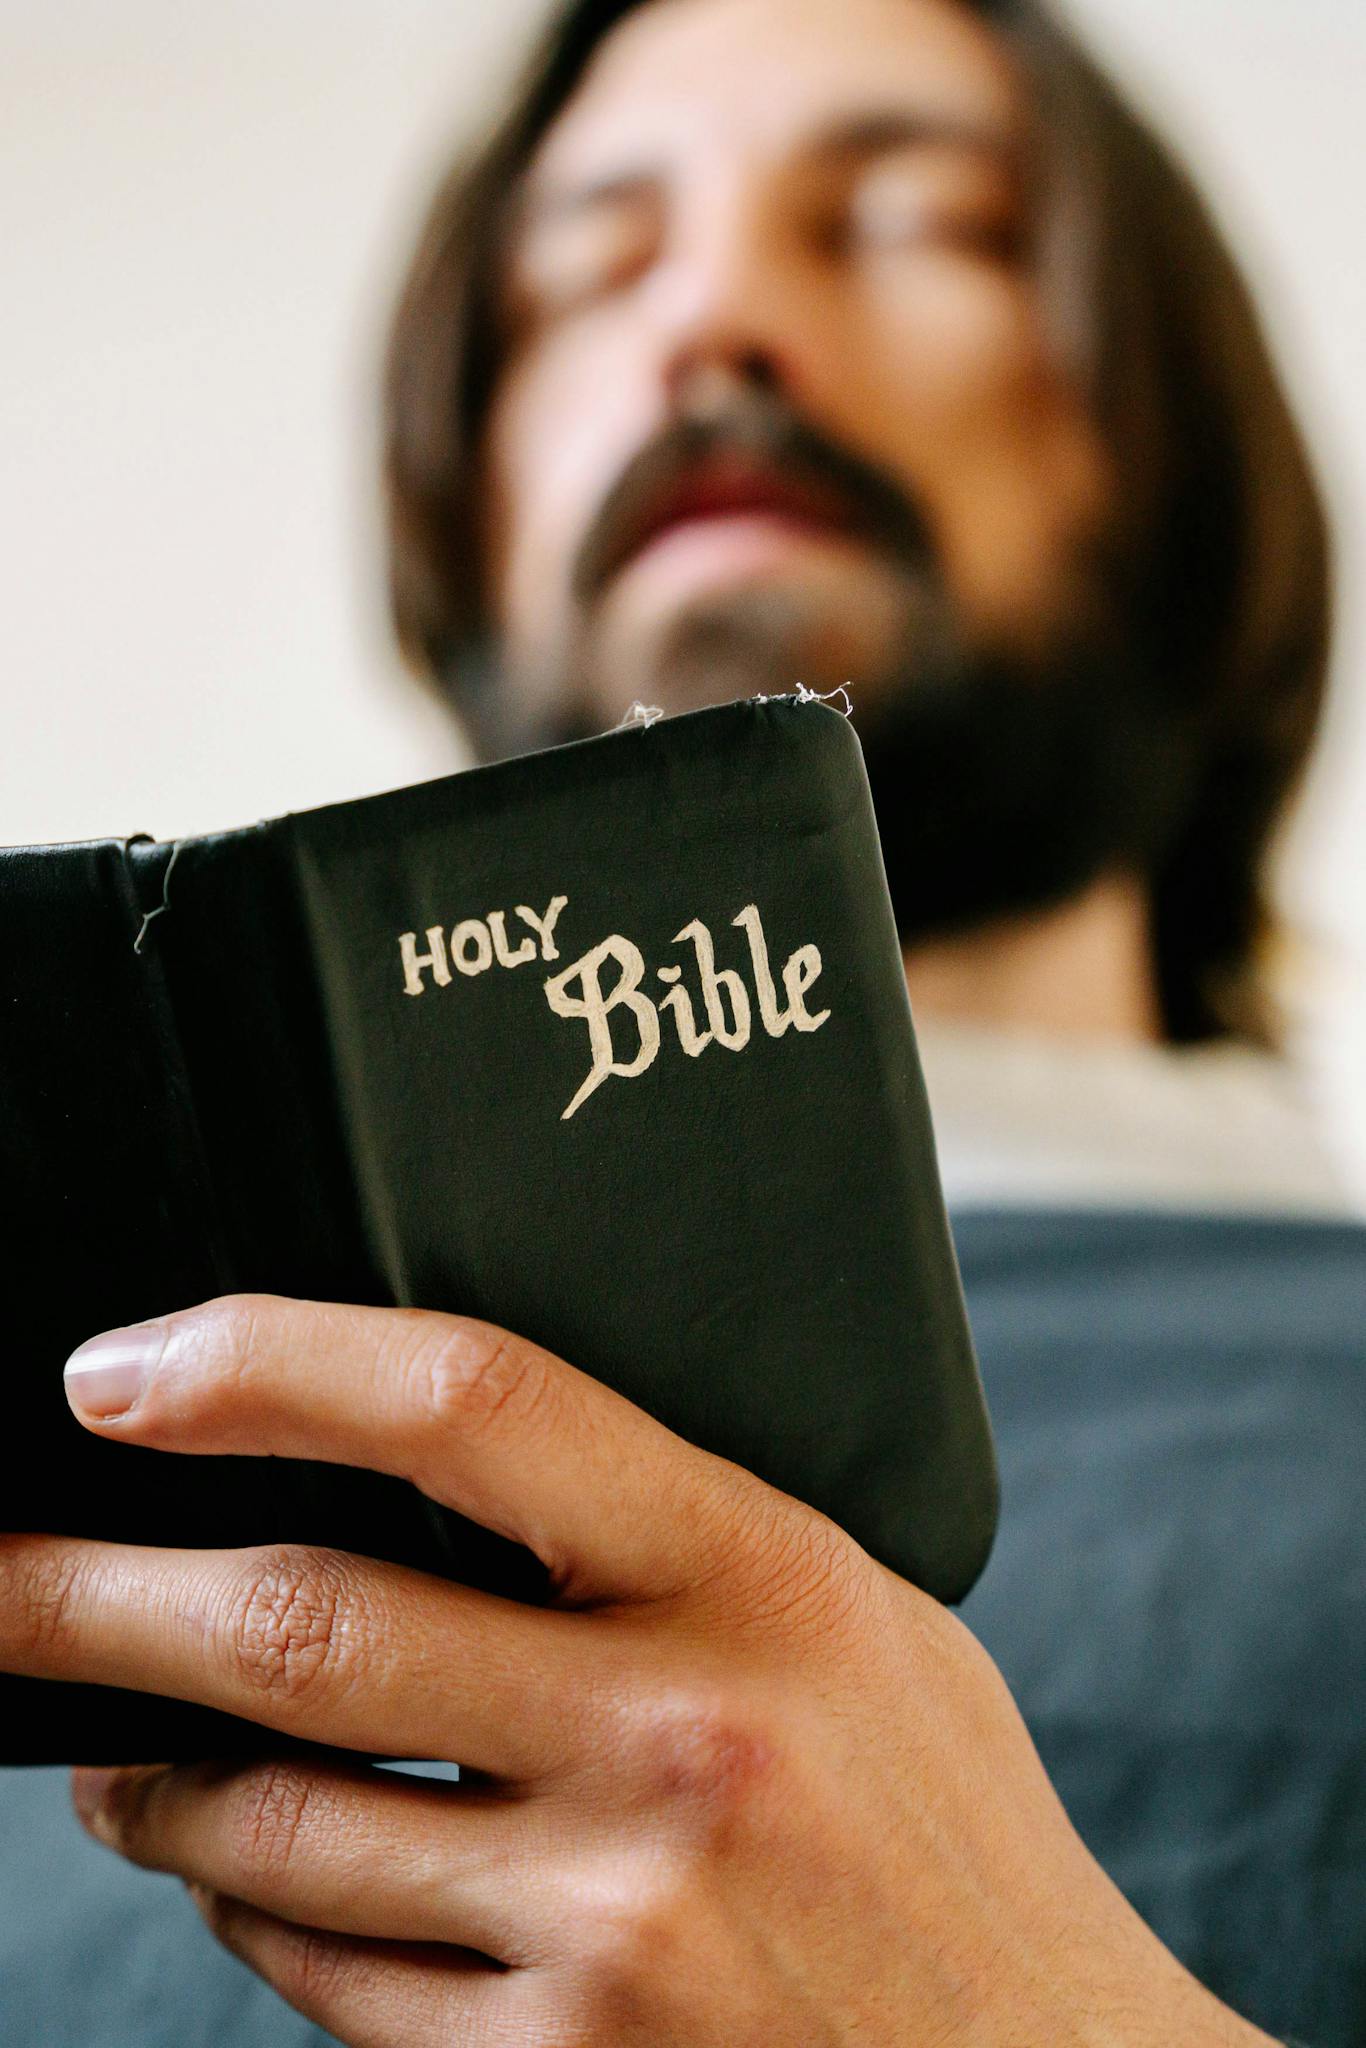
562, 426
979, 415
969, 329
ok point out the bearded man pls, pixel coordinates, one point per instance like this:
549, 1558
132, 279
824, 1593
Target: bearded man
879, 349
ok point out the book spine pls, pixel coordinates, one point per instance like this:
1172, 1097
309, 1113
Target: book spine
246, 955
145, 877
249, 1014
111, 1214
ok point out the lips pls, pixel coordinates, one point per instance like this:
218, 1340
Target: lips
727, 486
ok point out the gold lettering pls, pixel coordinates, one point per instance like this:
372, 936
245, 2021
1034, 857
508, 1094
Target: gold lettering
679, 1001
501, 951
545, 926
798, 975
775, 1020
414, 962
473, 930
595, 1008
624, 1010
733, 1034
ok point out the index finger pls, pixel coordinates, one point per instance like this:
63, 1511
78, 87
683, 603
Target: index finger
615, 1505
318, 1645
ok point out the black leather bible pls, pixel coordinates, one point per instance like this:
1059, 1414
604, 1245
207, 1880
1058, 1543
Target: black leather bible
608, 1044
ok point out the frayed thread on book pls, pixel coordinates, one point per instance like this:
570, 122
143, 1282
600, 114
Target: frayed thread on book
803, 695
641, 714
650, 714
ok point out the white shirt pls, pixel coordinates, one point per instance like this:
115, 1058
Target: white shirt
1022, 1118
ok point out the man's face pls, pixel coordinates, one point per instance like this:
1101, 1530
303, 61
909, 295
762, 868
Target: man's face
779, 403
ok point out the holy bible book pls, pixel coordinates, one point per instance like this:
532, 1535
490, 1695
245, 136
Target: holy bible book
609, 1045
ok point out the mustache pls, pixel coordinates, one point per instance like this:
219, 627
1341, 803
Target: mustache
768, 430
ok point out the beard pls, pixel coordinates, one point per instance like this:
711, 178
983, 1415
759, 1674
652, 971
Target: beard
1002, 784
1004, 781
1004, 788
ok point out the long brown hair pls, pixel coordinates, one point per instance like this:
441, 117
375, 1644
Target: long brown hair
1225, 526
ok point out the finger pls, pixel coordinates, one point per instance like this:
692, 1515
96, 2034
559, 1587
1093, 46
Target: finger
351, 1851
614, 1504
321, 1646
368, 1994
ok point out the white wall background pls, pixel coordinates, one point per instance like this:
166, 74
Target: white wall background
204, 205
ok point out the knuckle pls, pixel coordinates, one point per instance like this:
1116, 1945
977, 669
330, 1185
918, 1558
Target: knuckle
777, 1561
130, 1809
707, 1757
291, 1621
227, 1328
220, 1340
311, 1968
639, 1940
305, 1966
476, 1380
801, 1570
268, 1821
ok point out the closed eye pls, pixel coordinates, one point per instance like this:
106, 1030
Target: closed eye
935, 196
574, 249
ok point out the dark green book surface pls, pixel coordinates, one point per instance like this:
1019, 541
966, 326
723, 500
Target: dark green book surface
608, 1044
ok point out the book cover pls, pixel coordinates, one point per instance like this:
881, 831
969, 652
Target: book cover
608, 1044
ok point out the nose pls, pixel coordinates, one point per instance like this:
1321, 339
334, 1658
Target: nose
730, 312
705, 384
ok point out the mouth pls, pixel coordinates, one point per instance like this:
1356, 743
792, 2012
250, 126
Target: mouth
734, 489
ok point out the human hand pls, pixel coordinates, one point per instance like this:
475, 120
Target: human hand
736, 1785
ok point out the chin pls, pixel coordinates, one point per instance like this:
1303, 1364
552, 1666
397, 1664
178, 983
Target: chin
762, 638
